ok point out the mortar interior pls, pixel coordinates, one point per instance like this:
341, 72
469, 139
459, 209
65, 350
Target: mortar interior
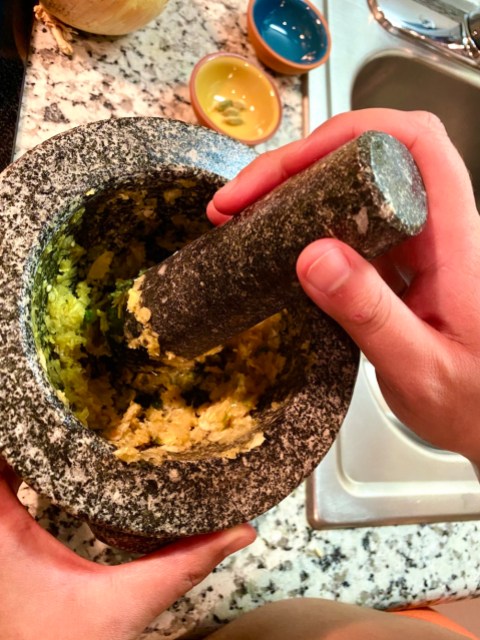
141, 221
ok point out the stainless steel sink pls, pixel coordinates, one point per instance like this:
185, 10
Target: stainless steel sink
399, 81
378, 471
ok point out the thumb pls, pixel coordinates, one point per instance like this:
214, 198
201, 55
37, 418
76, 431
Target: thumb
350, 290
144, 588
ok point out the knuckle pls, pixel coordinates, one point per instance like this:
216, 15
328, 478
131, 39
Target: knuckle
253, 167
372, 313
428, 388
265, 159
194, 573
191, 579
430, 121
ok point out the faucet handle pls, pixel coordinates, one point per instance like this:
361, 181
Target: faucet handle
442, 25
473, 31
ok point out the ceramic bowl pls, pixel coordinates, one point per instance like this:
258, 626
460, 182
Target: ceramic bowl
106, 184
290, 36
232, 95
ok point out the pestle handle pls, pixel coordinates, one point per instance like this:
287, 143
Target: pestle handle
368, 193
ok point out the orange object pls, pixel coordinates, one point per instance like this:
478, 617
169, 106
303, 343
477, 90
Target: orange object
296, 24
232, 95
430, 615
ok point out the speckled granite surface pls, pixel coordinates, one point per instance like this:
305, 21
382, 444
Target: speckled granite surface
146, 74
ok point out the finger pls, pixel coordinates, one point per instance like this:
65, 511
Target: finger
216, 217
257, 179
444, 173
349, 289
156, 581
271, 168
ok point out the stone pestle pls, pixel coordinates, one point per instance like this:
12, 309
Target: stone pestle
368, 193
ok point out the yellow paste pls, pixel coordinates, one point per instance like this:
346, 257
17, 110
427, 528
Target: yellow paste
176, 408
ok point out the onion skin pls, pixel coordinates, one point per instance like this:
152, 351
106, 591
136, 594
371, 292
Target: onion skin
105, 17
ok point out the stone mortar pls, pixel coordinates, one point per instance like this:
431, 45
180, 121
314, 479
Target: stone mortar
74, 183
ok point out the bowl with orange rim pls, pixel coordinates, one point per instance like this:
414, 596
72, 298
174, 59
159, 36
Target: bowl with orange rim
289, 36
234, 96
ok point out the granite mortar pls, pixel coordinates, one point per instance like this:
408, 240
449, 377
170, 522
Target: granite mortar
139, 506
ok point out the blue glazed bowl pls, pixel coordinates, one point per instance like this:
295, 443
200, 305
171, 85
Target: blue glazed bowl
289, 36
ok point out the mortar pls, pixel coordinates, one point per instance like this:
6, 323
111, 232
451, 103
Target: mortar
106, 182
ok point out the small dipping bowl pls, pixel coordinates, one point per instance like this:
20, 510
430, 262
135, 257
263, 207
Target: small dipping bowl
290, 36
231, 95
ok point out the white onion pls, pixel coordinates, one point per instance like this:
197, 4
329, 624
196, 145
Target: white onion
105, 17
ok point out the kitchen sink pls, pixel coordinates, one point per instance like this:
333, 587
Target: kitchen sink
378, 471
400, 81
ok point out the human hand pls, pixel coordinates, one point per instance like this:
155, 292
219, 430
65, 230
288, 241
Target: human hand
48, 591
416, 316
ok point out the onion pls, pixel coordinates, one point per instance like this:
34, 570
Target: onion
104, 17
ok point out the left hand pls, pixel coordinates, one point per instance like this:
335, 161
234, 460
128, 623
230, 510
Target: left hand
49, 592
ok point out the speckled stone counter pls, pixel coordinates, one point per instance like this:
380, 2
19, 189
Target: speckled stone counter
146, 73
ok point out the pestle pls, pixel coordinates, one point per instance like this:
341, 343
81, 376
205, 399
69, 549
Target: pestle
368, 193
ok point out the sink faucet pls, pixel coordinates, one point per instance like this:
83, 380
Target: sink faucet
452, 29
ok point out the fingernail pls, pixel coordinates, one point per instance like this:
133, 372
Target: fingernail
329, 271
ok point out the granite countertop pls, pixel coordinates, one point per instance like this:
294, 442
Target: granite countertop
146, 73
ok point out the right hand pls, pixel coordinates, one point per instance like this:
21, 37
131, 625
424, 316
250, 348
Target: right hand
421, 331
